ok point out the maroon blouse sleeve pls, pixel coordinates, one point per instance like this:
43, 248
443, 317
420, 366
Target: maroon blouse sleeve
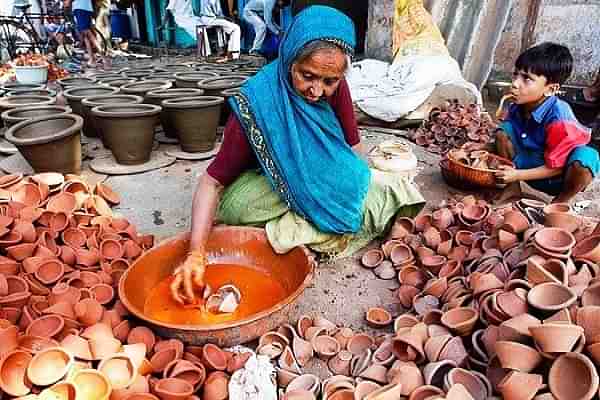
341, 102
235, 155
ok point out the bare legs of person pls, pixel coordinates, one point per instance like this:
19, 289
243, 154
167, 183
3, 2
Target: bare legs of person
577, 179
88, 41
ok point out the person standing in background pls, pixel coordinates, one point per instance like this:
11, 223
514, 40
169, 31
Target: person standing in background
211, 14
259, 14
83, 12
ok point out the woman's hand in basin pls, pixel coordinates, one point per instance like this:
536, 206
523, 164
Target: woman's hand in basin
189, 276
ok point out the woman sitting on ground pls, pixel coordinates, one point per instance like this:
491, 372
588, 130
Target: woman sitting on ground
288, 160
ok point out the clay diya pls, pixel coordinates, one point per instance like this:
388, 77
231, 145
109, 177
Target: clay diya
573, 376
378, 317
556, 337
372, 258
556, 240
550, 297
91, 384
119, 370
49, 366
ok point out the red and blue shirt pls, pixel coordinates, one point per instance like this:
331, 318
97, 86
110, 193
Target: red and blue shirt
552, 132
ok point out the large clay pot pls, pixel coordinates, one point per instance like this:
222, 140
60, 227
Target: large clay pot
169, 76
191, 79
74, 95
51, 143
195, 120
7, 103
14, 116
117, 82
128, 130
143, 87
157, 96
90, 126
214, 86
7, 87
138, 73
226, 112
31, 92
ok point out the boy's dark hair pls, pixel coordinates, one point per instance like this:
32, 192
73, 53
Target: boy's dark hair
550, 60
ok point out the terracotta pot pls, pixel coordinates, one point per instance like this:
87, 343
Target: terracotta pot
360, 343
13, 367
88, 311
588, 248
213, 357
46, 326
195, 120
59, 135
573, 376
515, 222
178, 389
91, 384
461, 320
119, 370
191, 79
143, 87
15, 115
550, 297
213, 86
49, 366
308, 382
372, 258
518, 385
75, 95
128, 130
325, 346
517, 356
378, 317
566, 221
90, 127
556, 337
157, 96
49, 271
556, 240
470, 380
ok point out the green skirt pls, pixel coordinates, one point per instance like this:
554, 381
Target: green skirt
250, 200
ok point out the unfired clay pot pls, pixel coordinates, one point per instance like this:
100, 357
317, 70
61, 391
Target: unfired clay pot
74, 95
31, 92
195, 120
13, 116
191, 79
57, 135
7, 103
157, 96
89, 126
66, 83
128, 130
143, 87
214, 86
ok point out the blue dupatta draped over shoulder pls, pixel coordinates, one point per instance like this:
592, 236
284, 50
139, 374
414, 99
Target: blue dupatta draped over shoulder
300, 145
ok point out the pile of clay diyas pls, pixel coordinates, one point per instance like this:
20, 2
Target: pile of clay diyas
64, 335
504, 302
452, 125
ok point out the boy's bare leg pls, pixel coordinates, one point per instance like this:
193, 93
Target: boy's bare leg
576, 180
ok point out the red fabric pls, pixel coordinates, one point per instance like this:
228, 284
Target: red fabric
236, 155
562, 137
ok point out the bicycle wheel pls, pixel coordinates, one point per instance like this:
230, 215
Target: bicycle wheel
15, 38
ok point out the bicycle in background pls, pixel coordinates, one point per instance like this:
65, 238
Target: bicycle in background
18, 34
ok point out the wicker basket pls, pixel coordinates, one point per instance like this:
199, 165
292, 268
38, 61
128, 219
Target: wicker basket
468, 177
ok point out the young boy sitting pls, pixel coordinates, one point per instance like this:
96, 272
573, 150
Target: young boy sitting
541, 134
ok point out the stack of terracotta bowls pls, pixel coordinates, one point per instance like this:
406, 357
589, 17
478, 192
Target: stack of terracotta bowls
64, 334
493, 300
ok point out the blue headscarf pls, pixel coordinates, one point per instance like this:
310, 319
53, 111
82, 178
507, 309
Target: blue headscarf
300, 145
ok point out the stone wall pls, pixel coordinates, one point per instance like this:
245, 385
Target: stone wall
574, 23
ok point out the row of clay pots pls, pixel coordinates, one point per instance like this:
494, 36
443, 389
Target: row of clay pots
63, 333
513, 299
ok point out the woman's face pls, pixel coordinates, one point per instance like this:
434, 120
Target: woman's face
319, 75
